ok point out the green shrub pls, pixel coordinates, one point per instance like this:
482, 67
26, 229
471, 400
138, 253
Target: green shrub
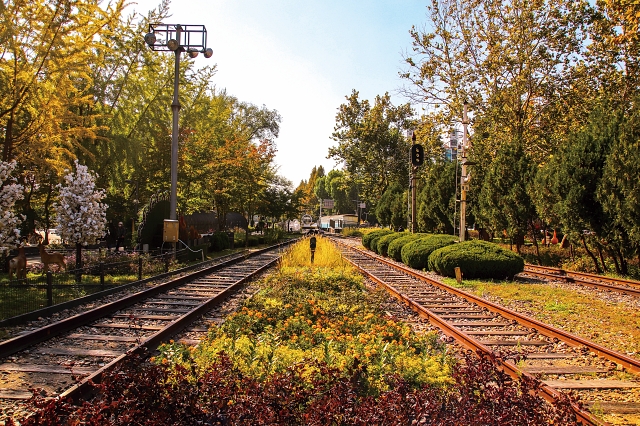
273, 235
476, 259
352, 232
253, 241
416, 253
219, 241
394, 250
384, 241
367, 239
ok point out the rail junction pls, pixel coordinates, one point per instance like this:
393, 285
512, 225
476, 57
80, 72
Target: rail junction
618, 285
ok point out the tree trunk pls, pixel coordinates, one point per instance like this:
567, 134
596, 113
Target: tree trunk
624, 270
595, 261
535, 242
8, 139
601, 256
615, 262
47, 216
78, 263
78, 255
573, 254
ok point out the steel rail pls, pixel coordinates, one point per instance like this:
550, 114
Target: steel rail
547, 392
18, 343
631, 364
584, 279
85, 388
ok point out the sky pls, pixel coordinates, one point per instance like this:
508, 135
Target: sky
301, 58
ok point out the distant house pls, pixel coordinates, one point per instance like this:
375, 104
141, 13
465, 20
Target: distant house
336, 223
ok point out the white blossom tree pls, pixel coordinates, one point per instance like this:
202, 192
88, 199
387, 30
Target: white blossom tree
10, 192
81, 215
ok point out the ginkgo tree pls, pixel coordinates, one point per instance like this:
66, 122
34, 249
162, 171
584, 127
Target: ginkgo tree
81, 214
47, 50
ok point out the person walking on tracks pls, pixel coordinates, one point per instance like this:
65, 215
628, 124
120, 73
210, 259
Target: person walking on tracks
312, 246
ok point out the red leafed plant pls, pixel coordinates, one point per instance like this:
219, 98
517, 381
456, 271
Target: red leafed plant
142, 394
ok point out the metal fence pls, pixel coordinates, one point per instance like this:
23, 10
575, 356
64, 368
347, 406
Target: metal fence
26, 295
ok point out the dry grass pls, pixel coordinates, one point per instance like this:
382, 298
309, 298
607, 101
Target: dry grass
326, 256
611, 323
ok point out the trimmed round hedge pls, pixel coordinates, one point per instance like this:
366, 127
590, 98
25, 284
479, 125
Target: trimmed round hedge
394, 250
476, 259
416, 253
368, 238
384, 241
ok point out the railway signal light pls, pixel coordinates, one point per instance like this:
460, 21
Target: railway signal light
417, 154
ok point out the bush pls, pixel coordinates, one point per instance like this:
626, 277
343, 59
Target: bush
476, 259
394, 250
383, 243
416, 253
352, 232
273, 235
253, 241
219, 241
373, 244
368, 238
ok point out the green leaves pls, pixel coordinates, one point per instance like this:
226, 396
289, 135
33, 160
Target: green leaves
372, 143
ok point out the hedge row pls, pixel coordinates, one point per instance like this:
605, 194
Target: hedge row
476, 259
416, 253
369, 238
394, 250
385, 240
442, 254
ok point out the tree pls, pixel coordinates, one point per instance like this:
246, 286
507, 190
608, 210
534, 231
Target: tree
278, 199
308, 201
513, 61
505, 203
437, 197
574, 175
339, 188
47, 49
392, 207
320, 188
81, 215
618, 191
10, 192
372, 143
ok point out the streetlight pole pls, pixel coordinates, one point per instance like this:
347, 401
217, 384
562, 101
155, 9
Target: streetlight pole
177, 38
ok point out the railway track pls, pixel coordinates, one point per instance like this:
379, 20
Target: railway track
606, 382
619, 285
64, 357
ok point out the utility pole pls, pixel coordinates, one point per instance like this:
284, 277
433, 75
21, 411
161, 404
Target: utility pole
414, 170
409, 200
464, 177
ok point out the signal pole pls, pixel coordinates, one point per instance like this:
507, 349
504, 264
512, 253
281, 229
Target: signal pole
464, 178
417, 158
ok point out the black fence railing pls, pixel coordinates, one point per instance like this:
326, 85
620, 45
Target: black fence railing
26, 295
